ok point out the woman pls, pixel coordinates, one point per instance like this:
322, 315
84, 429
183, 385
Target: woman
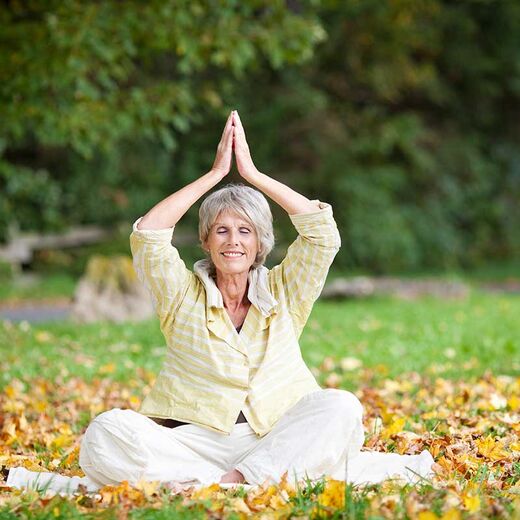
235, 402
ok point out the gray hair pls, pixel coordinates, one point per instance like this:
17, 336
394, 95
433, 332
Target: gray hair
249, 204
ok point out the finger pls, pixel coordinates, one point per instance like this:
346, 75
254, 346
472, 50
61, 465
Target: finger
239, 129
240, 135
228, 138
228, 125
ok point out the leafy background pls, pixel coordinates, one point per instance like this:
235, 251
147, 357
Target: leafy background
402, 114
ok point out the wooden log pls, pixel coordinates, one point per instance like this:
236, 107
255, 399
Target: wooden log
20, 249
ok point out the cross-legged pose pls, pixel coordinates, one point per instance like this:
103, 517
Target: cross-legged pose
234, 401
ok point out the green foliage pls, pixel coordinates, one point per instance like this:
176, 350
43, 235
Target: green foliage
401, 114
32, 195
404, 123
94, 97
6, 272
91, 75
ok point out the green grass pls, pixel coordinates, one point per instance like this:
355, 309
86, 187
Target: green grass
48, 286
452, 338
460, 337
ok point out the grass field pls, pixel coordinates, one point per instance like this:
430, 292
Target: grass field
456, 338
432, 374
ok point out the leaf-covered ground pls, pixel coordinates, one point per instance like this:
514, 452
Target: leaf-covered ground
432, 374
471, 427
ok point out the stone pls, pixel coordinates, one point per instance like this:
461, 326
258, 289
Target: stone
110, 290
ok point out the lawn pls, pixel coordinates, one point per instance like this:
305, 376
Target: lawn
455, 338
433, 374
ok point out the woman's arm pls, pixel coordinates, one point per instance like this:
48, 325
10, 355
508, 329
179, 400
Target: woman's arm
168, 212
299, 278
290, 200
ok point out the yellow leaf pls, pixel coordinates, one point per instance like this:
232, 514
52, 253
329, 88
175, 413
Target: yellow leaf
13, 406
513, 402
43, 336
427, 515
148, 487
62, 440
10, 429
206, 492
491, 449
396, 426
41, 406
72, 456
277, 502
333, 495
239, 505
471, 503
107, 369
22, 423
10, 391
451, 514
65, 429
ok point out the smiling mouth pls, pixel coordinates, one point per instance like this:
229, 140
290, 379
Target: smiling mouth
232, 255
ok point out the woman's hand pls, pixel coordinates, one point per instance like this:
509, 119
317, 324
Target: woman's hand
222, 163
167, 213
245, 165
290, 200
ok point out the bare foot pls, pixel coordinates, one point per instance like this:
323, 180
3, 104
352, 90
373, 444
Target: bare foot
233, 476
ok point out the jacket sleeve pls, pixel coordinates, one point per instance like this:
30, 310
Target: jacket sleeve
300, 277
159, 267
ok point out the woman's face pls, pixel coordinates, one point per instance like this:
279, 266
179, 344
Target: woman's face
232, 243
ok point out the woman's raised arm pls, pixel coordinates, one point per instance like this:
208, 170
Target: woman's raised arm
169, 211
290, 200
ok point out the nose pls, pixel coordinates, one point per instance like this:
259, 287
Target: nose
233, 237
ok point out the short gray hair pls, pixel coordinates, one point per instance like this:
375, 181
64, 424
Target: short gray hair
249, 204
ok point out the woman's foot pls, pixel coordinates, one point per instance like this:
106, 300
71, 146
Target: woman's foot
233, 476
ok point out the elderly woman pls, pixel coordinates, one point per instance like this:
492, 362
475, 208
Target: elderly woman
234, 401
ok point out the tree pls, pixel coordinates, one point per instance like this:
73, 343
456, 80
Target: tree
79, 79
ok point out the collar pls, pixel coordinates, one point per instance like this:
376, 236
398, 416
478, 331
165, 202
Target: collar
258, 292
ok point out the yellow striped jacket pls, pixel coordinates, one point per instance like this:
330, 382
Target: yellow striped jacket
212, 372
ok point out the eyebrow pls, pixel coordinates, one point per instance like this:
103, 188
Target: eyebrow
225, 225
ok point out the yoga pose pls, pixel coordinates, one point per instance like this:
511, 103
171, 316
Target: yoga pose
234, 401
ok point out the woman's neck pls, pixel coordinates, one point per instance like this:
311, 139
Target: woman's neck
233, 288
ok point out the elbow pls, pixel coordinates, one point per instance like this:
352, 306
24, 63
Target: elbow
336, 240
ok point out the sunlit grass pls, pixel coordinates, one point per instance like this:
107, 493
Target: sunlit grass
454, 338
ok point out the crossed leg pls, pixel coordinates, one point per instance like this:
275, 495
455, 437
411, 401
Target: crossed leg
126, 445
312, 439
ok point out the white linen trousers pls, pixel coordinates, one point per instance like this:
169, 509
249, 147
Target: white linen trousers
319, 436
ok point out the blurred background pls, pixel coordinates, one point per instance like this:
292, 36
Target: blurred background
403, 114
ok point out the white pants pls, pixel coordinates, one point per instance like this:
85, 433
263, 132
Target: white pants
319, 436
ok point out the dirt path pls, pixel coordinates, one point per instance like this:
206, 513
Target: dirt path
35, 313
